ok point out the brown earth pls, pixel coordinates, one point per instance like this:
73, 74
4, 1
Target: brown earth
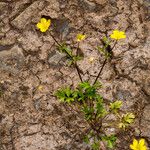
31, 118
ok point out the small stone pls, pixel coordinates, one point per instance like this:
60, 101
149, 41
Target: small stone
46, 77
9, 38
55, 58
43, 55
34, 129
30, 41
52, 9
12, 60
145, 128
101, 2
146, 113
62, 27
90, 5
147, 85
2, 6
25, 17
18, 6
13, 52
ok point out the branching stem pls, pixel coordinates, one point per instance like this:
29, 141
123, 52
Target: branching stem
75, 64
104, 63
100, 71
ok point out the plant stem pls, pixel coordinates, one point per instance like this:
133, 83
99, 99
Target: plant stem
114, 45
100, 71
55, 40
77, 52
104, 63
75, 64
78, 71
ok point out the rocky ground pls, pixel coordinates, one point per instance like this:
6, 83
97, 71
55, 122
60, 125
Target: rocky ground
31, 69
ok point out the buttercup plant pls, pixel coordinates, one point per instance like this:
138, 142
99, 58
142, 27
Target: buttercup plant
85, 97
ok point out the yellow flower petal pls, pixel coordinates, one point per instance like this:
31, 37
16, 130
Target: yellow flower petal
43, 29
43, 25
135, 143
143, 148
39, 25
49, 21
115, 31
112, 36
117, 35
141, 142
43, 20
138, 145
121, 32
132, 147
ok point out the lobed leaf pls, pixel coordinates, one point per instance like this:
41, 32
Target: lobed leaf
115, 106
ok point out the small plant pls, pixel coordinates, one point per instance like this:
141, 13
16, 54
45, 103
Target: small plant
96, 112
86, 98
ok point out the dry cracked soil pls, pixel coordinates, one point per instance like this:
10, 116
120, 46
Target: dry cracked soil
31, 69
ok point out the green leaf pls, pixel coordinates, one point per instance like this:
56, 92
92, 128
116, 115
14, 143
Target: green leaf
65, 49
88, 90
99, 98
65, 95
70, 62
100, 109
115, 106
79, 95
86, 139
106, 49
129, 117
101, 50
77, 58
84, 85
126, 120
88, 112
106, 40
111, 141
95, 146
97, 85
122, 125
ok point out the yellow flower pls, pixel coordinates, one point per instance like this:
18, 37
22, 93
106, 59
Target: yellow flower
138, 145
117, 35
80, 37
44, 24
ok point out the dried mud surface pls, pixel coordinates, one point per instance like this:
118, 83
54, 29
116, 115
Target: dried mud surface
30, 117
